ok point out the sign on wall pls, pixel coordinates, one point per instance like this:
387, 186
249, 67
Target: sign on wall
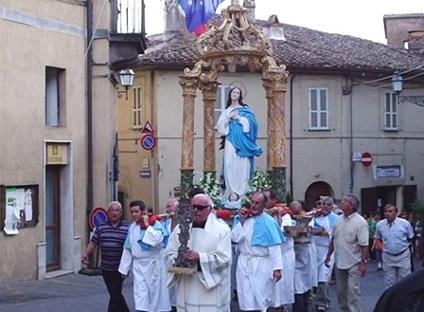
366, 159
395, 171
18, 208
57, 154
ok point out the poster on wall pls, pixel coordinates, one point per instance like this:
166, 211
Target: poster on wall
18, 209
12, 212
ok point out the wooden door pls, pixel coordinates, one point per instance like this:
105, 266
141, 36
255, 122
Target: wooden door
52, 217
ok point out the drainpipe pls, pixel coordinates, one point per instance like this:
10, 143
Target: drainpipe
347, 90
291, 136
89, 64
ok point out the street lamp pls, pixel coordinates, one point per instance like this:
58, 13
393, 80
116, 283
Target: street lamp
126, 76
397, 84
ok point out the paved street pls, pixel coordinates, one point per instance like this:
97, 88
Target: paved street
77, 293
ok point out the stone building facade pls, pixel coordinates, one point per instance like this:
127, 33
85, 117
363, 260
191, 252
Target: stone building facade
57, 131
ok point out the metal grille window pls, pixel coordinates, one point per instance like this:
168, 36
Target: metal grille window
318, 109
137, 105
391, 111
129, 16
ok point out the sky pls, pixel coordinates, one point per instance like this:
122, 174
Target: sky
358, 18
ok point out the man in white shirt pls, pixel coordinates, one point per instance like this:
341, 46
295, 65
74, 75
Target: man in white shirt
350, 246
396, 235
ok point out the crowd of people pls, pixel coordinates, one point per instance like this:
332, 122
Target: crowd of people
267, 256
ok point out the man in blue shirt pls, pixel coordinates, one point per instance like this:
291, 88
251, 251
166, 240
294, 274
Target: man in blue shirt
396, 235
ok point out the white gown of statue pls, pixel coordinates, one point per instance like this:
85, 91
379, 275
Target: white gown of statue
236, 168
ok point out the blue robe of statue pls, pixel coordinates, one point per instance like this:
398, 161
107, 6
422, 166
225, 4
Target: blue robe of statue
240, 147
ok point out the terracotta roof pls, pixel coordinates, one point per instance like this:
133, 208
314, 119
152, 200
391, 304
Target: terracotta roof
303, 50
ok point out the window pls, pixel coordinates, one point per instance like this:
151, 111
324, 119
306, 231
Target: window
318, 109
55, 97
221, 100
137, 99
390, 111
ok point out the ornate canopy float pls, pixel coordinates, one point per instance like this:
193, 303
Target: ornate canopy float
237, 42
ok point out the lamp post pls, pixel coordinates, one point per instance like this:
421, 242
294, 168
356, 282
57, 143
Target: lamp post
126, 76
397, 86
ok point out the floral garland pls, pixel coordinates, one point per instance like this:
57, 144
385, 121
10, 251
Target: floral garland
259, 182
212, 187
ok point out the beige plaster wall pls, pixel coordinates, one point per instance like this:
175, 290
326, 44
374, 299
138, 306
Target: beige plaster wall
22, 127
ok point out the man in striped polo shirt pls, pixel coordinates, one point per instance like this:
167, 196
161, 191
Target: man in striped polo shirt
111, 237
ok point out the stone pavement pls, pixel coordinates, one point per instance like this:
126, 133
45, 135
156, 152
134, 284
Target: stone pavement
80, 293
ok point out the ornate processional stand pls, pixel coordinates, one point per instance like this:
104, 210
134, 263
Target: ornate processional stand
236, 42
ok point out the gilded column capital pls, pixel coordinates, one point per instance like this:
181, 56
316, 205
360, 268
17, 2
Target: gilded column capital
268, 85
189, 85
208, 89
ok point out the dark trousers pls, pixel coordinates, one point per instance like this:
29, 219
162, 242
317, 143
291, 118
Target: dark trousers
113, 281
300, 302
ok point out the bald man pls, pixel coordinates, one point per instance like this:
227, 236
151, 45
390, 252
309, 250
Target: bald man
208, 289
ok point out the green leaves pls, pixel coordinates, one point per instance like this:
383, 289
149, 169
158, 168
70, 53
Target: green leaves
259, 182
212, 187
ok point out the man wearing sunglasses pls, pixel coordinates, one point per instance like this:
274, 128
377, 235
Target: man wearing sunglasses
208, 289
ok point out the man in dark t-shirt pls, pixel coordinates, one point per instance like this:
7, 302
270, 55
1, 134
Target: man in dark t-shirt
110, 237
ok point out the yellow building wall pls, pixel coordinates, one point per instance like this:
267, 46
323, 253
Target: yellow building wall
136, 165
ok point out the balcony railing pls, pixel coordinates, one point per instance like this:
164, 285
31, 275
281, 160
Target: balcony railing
128, 16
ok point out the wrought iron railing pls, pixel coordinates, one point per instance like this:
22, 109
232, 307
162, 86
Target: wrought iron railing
128, 16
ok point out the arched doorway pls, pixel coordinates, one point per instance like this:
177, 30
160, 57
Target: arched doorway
314, 191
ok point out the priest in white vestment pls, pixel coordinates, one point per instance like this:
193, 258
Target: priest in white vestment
239, 127
208, 289
260, 263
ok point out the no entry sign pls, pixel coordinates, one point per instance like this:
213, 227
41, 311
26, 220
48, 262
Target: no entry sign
366, 159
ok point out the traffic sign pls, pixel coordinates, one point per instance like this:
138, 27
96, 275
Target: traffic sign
147, 128
148, 141
98, 216
357, 157
366, 159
